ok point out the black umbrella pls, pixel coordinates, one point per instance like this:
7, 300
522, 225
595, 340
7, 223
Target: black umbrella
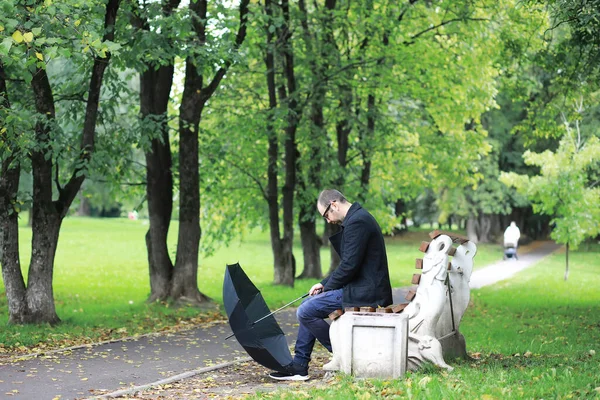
251, 321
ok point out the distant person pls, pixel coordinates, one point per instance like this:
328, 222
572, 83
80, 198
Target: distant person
361, 279
511, 240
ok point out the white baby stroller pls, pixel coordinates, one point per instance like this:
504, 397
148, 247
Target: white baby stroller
510, 252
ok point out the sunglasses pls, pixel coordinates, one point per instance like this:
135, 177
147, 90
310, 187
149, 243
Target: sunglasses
327, 210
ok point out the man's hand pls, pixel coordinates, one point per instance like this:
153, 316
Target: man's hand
316, 289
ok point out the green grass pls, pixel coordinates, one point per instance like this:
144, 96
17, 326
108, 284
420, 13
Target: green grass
101, 280
537, 336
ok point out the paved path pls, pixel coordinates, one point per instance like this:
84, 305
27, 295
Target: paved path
503, 270
90, 371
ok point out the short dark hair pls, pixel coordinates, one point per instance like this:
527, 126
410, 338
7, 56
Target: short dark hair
329, 195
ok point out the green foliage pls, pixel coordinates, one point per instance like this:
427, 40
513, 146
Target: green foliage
64, 38
433, 73
566, 187
33, 35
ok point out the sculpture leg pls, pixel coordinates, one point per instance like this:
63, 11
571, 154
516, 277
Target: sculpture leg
425, 348
334, 337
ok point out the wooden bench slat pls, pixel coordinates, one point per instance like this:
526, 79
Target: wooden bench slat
416, 279
411, 295
336, 314
396, 308
419, 263
424, 246
455, 238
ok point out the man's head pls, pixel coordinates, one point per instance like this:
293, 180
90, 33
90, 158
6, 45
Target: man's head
333, 206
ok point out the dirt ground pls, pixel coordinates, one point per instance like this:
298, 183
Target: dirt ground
234, 382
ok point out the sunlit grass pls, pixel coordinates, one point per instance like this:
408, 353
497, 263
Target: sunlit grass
101, 278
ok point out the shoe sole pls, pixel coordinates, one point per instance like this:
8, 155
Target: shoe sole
290, 378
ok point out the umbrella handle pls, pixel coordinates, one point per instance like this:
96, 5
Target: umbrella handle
279, 309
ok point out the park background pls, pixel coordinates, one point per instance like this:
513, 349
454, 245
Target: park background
207, 129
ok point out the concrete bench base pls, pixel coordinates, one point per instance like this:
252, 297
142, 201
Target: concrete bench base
369, 345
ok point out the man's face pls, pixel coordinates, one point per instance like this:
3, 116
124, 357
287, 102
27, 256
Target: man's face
330, 212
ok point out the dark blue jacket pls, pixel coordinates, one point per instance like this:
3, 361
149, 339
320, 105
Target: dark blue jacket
363, 269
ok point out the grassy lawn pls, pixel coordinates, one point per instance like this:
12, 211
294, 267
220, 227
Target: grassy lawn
535, 337
101, 280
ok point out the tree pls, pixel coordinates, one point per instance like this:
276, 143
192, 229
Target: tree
196, 94
37, 37
156, 29
567, 186
391, 96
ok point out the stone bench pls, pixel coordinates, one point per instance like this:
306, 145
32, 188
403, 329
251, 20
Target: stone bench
369, 343
385, 342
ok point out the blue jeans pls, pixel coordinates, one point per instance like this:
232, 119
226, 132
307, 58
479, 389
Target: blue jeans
311, 316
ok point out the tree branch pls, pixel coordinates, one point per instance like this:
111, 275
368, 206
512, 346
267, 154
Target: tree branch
244, 171
208, 91
70, 190
401, 16
442, 24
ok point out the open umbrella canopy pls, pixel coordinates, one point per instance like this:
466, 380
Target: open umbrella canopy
264, 340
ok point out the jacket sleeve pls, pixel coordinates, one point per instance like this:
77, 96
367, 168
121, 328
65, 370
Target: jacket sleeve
356, 237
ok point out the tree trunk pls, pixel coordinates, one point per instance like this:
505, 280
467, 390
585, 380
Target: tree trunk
343, 129
567, 262
367, 135
484, 228
478, 228
335, 259
400, 209
155, 87
311, 242
40, 293
472, 226
319, 63
311, 246
291, 149
39, 298
47, 213
497, 226
10, 174
273, 151
185, 278
183, 285
284, 264
84, 209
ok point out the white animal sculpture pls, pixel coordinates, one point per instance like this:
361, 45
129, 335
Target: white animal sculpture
433, 323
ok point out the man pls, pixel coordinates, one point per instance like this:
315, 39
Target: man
361, 279
511, 240
512, 235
